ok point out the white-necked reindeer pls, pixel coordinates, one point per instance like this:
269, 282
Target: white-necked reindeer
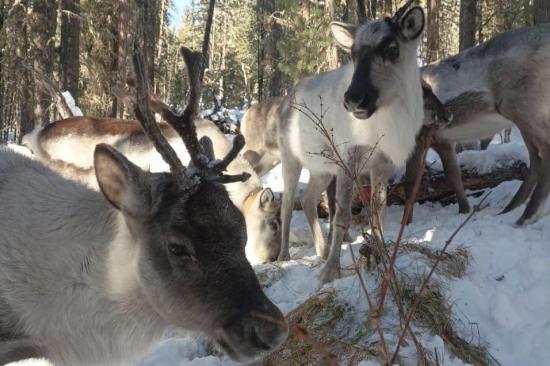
90, 278
67, 146
374, 102
487, 87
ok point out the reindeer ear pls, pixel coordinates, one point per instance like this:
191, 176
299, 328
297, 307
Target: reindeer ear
122, 183
267, 198
344, 34
412, 23
252, 157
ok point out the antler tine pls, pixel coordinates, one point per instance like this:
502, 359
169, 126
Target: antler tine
184, 124
399, 13
187, 131
145, 117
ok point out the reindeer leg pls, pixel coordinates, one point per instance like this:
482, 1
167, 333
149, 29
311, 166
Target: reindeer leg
331, 201
310, 198
17, 350
342, 220
537, 203
412, 170
378, 207
291, 174
530, 181
446, 152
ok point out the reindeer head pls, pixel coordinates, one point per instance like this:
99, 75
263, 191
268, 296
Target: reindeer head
382, 51
435, 112
263, 226
187, 237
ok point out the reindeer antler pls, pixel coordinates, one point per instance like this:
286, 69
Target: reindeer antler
147, 120
184, 126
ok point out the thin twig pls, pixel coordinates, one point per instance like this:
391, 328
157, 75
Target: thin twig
406, 215
425, 282
317, 120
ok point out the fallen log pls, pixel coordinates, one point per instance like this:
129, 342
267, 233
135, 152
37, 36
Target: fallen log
436, 187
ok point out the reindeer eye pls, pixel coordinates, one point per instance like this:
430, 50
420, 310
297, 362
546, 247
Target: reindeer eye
178, 250
391, 52
274, 225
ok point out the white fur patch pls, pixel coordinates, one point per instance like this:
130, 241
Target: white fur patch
122, 262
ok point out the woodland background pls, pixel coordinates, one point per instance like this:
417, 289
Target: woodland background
254, 48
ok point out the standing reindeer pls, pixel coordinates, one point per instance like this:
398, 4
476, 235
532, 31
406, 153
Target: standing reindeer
373, 103
90, 278
487, 87
259, 128
67, 146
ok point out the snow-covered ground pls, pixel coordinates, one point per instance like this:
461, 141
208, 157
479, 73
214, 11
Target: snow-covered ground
502, 301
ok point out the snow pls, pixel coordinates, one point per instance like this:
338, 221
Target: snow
75, 110
501, 302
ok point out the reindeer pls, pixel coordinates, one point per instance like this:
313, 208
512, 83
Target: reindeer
94, 278
381, 110
487, 87
67, 146
259, 128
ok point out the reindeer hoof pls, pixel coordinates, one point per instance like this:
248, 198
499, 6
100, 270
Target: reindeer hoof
524, 221
285, 256
464, 209
329, 273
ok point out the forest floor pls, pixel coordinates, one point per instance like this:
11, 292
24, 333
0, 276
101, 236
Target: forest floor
489, 301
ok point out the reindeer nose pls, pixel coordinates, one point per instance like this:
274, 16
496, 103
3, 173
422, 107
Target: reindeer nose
352, 100
266, 332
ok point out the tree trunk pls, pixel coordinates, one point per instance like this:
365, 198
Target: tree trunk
260, 57
432, 33
150, 33
2, 91
206, 39
361, 10
69, 53
223, 55
118, 64
388, 7
26, 82
161, 43
373, 8
468, 17
274, 35
43, 20
541, 11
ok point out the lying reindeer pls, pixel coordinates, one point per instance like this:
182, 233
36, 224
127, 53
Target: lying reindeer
67, 146
374, 103
487, 87
90, 278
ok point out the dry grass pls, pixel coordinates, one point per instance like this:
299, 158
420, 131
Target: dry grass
453, 264
434, 313
315, 341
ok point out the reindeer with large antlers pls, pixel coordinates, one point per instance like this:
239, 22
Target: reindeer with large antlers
89, 278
